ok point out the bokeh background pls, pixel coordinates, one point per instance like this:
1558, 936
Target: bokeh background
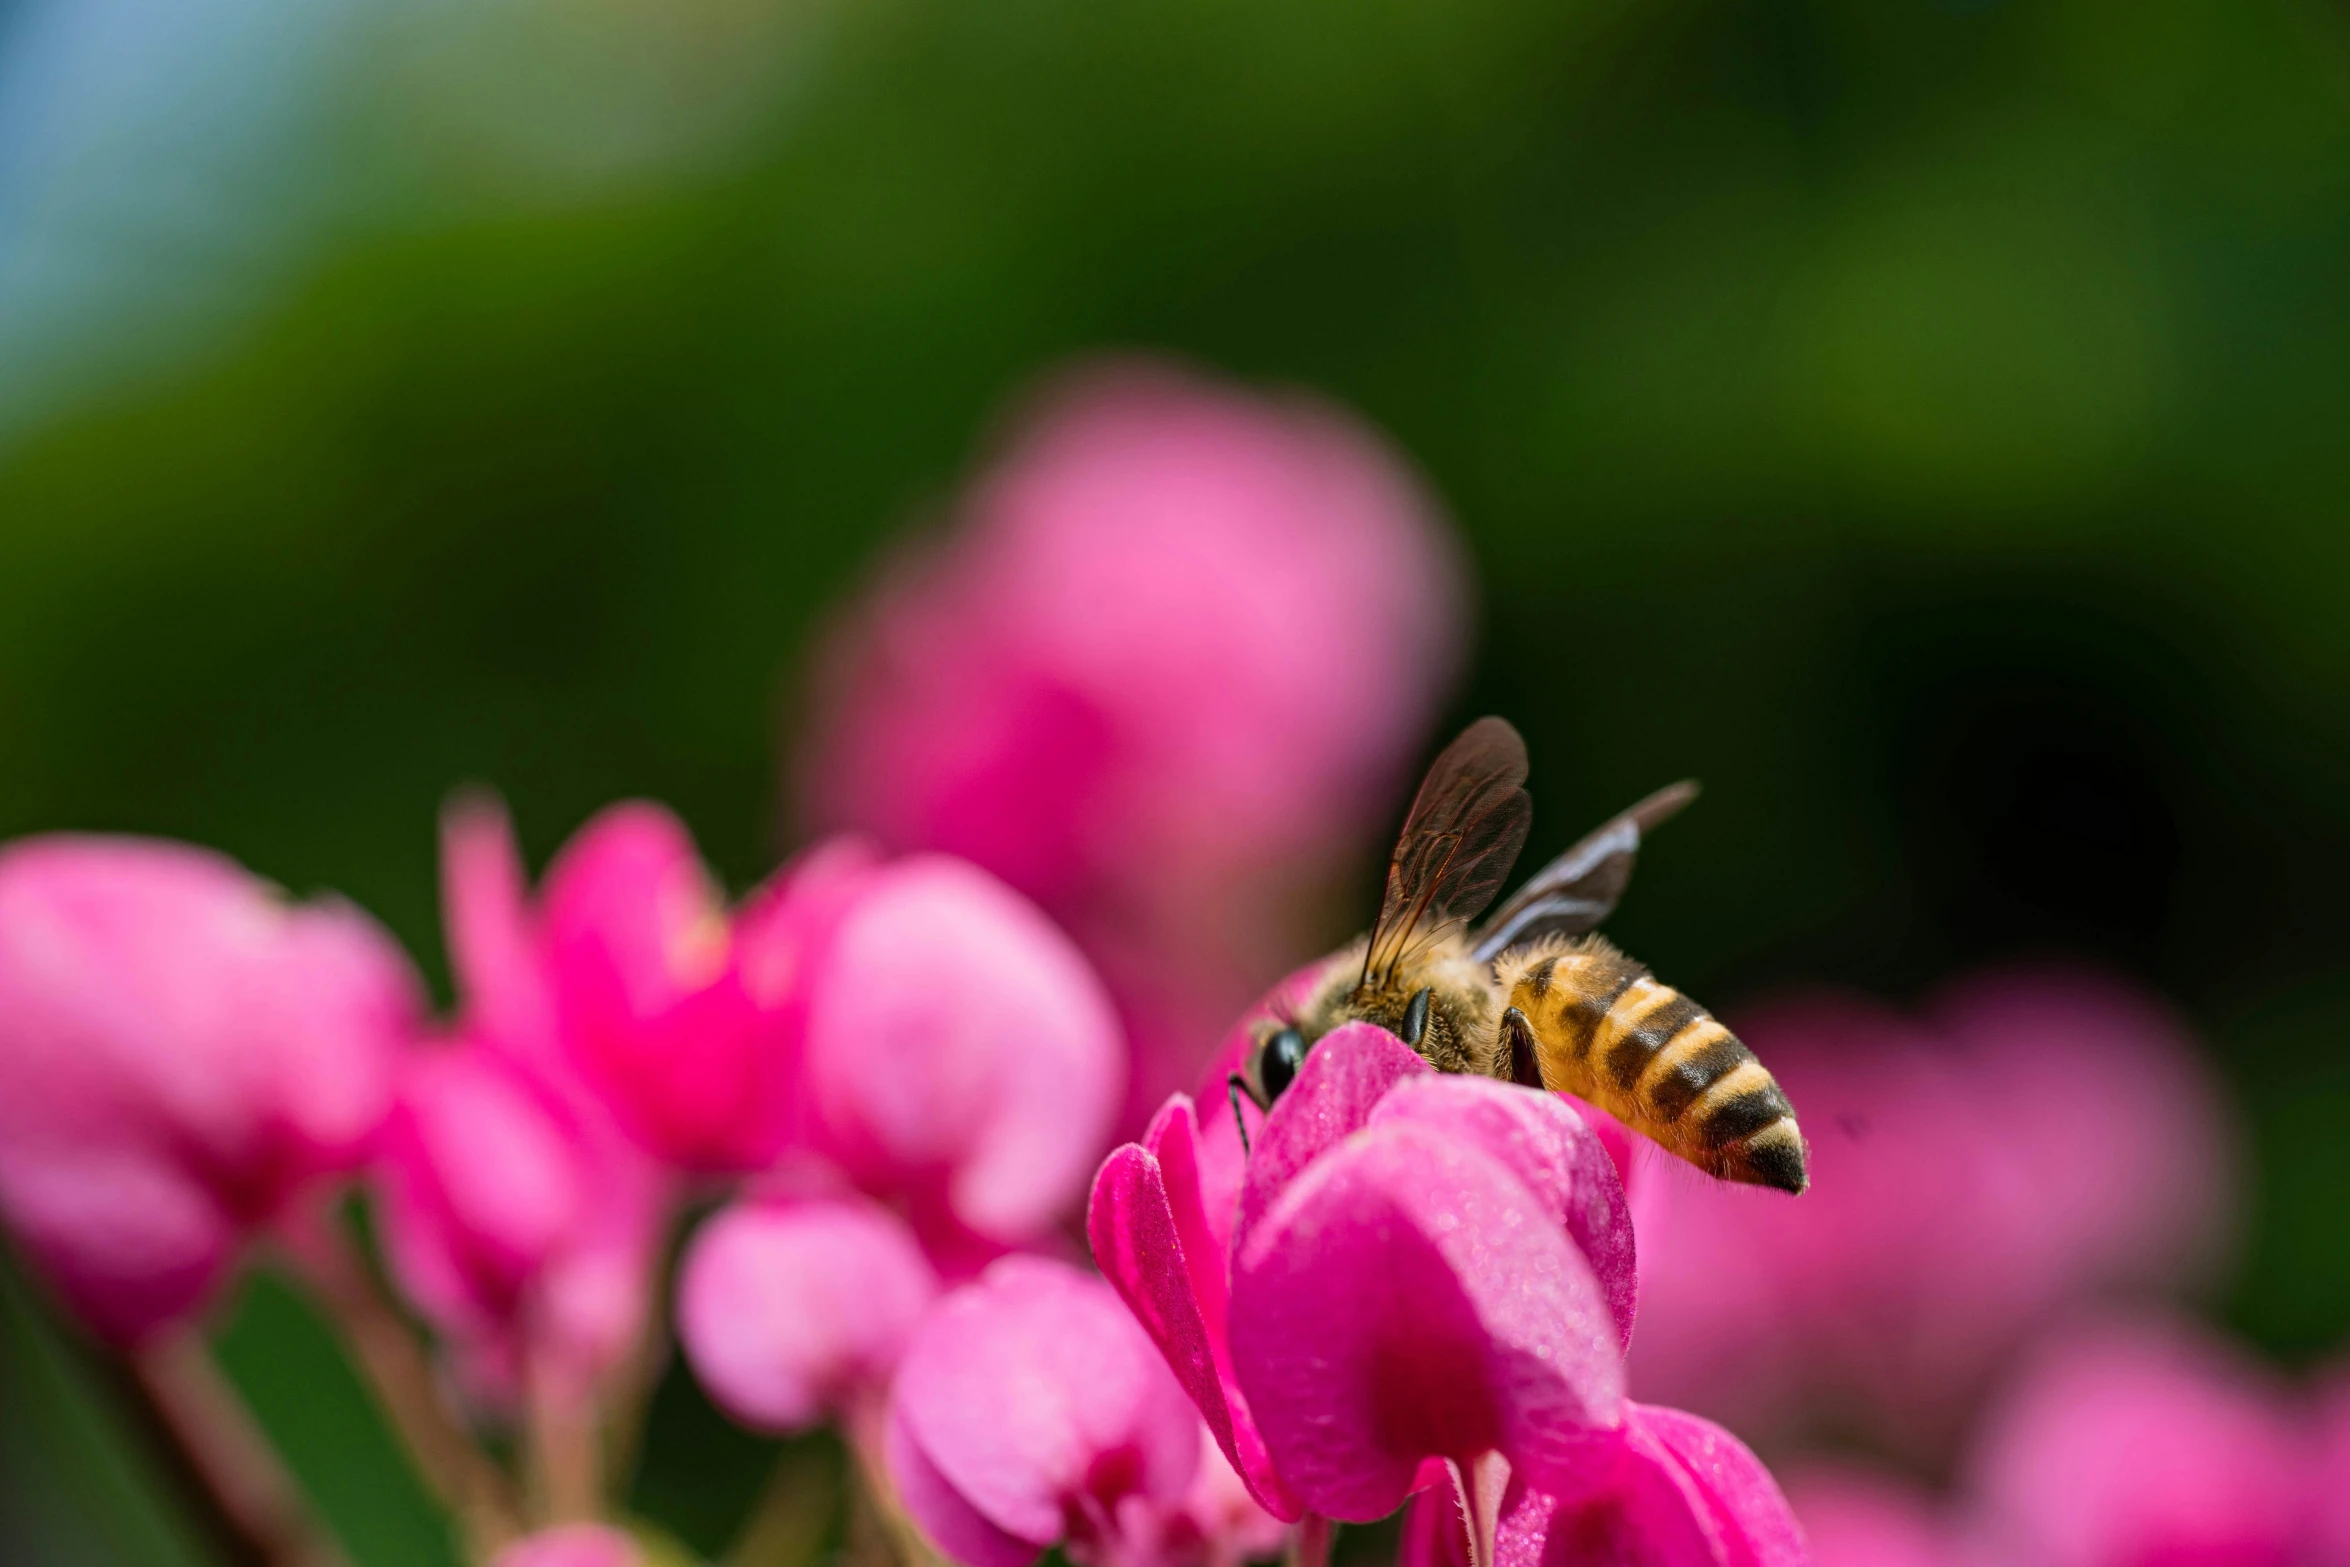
1923, 421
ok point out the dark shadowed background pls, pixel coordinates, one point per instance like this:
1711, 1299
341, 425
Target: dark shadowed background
1924, 422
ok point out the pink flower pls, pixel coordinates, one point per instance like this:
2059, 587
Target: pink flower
1031, 1411
578, 1545
182, 1052
2124, 1442
913, 1025
1854, 1518
1676, 1492
1420, 1269
516, 1215
2040, 1135
523, 1231
961, 1059
680, 1016
1161, 672
2139, 1444
795, 1311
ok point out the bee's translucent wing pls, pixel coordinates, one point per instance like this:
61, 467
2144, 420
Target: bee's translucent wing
1466, 826
1576, 891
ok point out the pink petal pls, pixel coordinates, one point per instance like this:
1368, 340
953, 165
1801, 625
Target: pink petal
1636, 1515
784, 930
171, 1024
522, 1227
953, 1524
131, 1243
339, 1007
595, 1295
2141, 1190
1409, 1297
958, 1044
1033, 1394
1224, 1511
1346, 1073
1668, 1490
1152, 1240
628, 899
1222, 1161
1859, 1519
789, 1310
578, 1545
1626, 1147
1174, 652
481, 1157
1743, 1503
2144, 1442
2048, 1136
1549, 1147
652, 1002
1649, 1515
1435, 1531
494, 943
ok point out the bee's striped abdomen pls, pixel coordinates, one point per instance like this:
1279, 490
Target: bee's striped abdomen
1658, 1061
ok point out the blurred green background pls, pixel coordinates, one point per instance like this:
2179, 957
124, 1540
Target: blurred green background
1922, 420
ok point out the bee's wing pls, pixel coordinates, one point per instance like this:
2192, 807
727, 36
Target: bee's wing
1466, 826
1574, 892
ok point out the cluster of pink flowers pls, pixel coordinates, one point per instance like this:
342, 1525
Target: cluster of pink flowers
901, 1066
1154, 685
905, 1074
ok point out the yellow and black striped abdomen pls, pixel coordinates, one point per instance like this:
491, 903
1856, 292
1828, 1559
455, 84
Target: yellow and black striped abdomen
1606, 1031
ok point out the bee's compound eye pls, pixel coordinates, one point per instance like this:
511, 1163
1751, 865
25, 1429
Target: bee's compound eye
1415, 1016
1277, 1068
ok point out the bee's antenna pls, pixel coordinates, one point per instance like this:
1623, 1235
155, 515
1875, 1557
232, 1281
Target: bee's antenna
1234, 1086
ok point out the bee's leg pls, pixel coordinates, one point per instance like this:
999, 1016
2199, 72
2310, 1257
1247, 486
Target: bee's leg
1236, 1085
1517, 1038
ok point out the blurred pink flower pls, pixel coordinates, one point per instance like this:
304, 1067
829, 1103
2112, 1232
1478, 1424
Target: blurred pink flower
961, 1059
1677, 1492
2144, 1444
1031, 1411
576, 1545
1855, 1518
793, 1311
526, 1235
517, 1217
1159, 676
182, 1051
2037, 1136
2121, 1442
1476, 1235
679, 1015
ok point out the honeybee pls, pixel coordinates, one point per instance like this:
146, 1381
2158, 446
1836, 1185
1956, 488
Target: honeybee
1532, 996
